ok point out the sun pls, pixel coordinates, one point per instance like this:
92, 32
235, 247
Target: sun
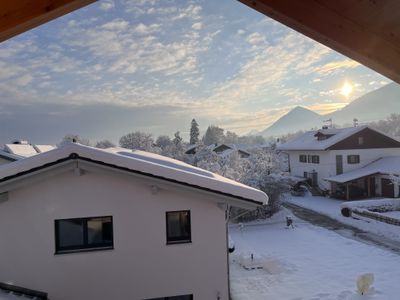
346, 89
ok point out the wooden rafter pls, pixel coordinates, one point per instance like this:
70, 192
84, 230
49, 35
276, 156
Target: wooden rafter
17, 16
367, 31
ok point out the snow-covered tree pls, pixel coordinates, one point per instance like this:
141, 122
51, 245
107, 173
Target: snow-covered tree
137, 140
194, 132
104, 144
177, 141
163, 141
74, 138
231, 138
213, 135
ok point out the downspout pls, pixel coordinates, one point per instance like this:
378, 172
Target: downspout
227, 214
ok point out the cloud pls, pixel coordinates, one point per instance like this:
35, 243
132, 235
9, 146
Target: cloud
197, 26
116, 25
146, 29
24, 80
335, 66
255, 38
107, 5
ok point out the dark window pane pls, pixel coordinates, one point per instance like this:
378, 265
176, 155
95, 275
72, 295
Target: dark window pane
70, 233
84, 234
178, 226
99, 230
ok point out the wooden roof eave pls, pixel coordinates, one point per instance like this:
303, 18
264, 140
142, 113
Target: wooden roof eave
18, 16
330, 24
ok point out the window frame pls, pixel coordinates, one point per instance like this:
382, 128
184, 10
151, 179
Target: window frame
85, 246
303, 158
175, 241
349, 159
315, 159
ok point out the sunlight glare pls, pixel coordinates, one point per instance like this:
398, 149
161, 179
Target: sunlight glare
346, 89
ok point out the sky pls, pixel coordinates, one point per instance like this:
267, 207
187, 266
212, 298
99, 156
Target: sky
118, 66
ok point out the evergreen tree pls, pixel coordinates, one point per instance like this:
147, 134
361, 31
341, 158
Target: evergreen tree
213, 135
194, 132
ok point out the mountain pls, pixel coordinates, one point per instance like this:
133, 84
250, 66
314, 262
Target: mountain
373, 106
299, 118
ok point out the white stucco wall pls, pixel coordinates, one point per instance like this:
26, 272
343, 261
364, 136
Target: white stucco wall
141, 266
327, 162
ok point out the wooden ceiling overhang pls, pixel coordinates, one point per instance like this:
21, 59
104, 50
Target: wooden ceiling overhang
367, 31
18, 16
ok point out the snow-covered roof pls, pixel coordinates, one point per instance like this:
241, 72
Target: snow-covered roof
43, 148
24, 150
141, 162
384, 165
308, 140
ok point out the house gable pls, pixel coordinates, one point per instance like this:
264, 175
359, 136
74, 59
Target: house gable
221, 148
366, 139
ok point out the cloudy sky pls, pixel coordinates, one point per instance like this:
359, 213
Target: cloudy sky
152, 65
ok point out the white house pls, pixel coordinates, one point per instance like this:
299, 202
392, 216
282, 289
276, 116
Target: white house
324, 155
83, 223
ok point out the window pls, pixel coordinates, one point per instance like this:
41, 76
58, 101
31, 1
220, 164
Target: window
353, 159
183, 297
178, 227
360, 140
303, 158
83, 234
315, 159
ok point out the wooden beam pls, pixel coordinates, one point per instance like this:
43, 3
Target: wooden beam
349, 35
18, 16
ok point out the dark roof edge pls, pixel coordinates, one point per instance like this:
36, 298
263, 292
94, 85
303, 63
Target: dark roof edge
366, 128
24, 291
74, 156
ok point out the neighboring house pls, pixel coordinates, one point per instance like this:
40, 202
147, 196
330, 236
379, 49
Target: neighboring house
222, 149
23, 148
86, 223
225, 150
323, 155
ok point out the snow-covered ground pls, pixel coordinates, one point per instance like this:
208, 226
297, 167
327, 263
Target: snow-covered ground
331, 208
307, 262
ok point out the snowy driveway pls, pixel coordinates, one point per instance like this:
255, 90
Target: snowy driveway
308, 263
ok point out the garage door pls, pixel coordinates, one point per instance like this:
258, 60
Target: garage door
387, 188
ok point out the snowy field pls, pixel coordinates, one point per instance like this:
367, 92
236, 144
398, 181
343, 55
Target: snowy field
307, 263
331, 208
